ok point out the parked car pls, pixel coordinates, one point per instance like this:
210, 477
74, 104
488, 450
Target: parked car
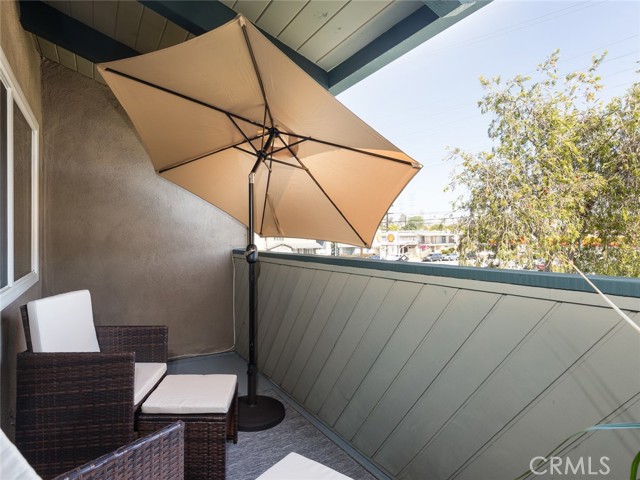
451, 257
433, 257
397, 258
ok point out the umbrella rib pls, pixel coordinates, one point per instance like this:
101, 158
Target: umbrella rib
248, 152
213, 152
330, 200
184, 97
287, 164
257, 72
346, 147
269, 167
352, 149
235, 124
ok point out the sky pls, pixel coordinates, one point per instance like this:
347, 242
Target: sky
426, 101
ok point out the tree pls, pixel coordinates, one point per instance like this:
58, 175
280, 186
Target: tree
562, 181
415, 223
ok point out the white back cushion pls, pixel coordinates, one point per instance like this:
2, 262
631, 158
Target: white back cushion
63, 323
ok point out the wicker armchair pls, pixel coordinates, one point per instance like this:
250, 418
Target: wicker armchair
75, 406
158, 456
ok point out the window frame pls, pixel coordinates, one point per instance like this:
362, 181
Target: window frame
16, 98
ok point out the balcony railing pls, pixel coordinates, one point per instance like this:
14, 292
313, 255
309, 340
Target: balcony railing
450, 372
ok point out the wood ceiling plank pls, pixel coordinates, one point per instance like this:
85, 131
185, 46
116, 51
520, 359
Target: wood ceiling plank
368, 32
82, 10
127, 23
48, 49
85, 67
277, 15
172, 35
312, 17
228, 3
252, 9
151, 28
63, 6
67, 58
104, 17
353, 16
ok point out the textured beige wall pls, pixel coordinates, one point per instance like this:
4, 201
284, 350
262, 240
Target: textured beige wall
149, 252
24, 61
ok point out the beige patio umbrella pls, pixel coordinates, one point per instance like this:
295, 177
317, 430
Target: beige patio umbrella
232, 119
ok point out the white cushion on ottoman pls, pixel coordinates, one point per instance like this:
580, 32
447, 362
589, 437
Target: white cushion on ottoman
184, 394
145, 378
297, 467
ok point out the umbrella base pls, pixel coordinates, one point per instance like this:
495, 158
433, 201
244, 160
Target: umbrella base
266, 413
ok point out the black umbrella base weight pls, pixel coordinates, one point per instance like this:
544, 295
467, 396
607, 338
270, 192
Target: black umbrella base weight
266, 413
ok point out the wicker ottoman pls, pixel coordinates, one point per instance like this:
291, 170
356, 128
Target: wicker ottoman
208, 406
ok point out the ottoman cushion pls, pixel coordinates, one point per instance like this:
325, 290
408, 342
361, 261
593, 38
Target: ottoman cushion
189, 394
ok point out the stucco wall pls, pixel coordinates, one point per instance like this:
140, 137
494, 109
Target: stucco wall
149, 252
25, 64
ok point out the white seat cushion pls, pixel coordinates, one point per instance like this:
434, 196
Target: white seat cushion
12, 463
297, 467
184, 394
147, 375
63, 323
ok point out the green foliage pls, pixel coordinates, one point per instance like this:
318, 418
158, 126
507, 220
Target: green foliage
415, 223
562, 182
438, 227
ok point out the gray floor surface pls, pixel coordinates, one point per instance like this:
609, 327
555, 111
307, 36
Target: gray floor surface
255, 452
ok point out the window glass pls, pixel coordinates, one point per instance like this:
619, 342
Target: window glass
22, 194
19, 261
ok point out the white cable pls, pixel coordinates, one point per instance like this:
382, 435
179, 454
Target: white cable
233, 299
609, 302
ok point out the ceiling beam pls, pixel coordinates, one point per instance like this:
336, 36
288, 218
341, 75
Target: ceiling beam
407, 34
372, 57
44, 21
201, 16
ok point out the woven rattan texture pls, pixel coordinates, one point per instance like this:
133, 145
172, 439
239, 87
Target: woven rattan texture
158, 456
205, 439
73, 407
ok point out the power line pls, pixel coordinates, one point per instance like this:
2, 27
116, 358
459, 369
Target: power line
579, 6
459, 105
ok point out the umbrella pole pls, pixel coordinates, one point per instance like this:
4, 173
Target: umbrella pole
255, 412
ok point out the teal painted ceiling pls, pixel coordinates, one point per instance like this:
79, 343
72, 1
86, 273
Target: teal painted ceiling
337, 42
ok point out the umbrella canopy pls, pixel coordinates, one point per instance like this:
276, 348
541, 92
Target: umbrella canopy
214, 109
232, 119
